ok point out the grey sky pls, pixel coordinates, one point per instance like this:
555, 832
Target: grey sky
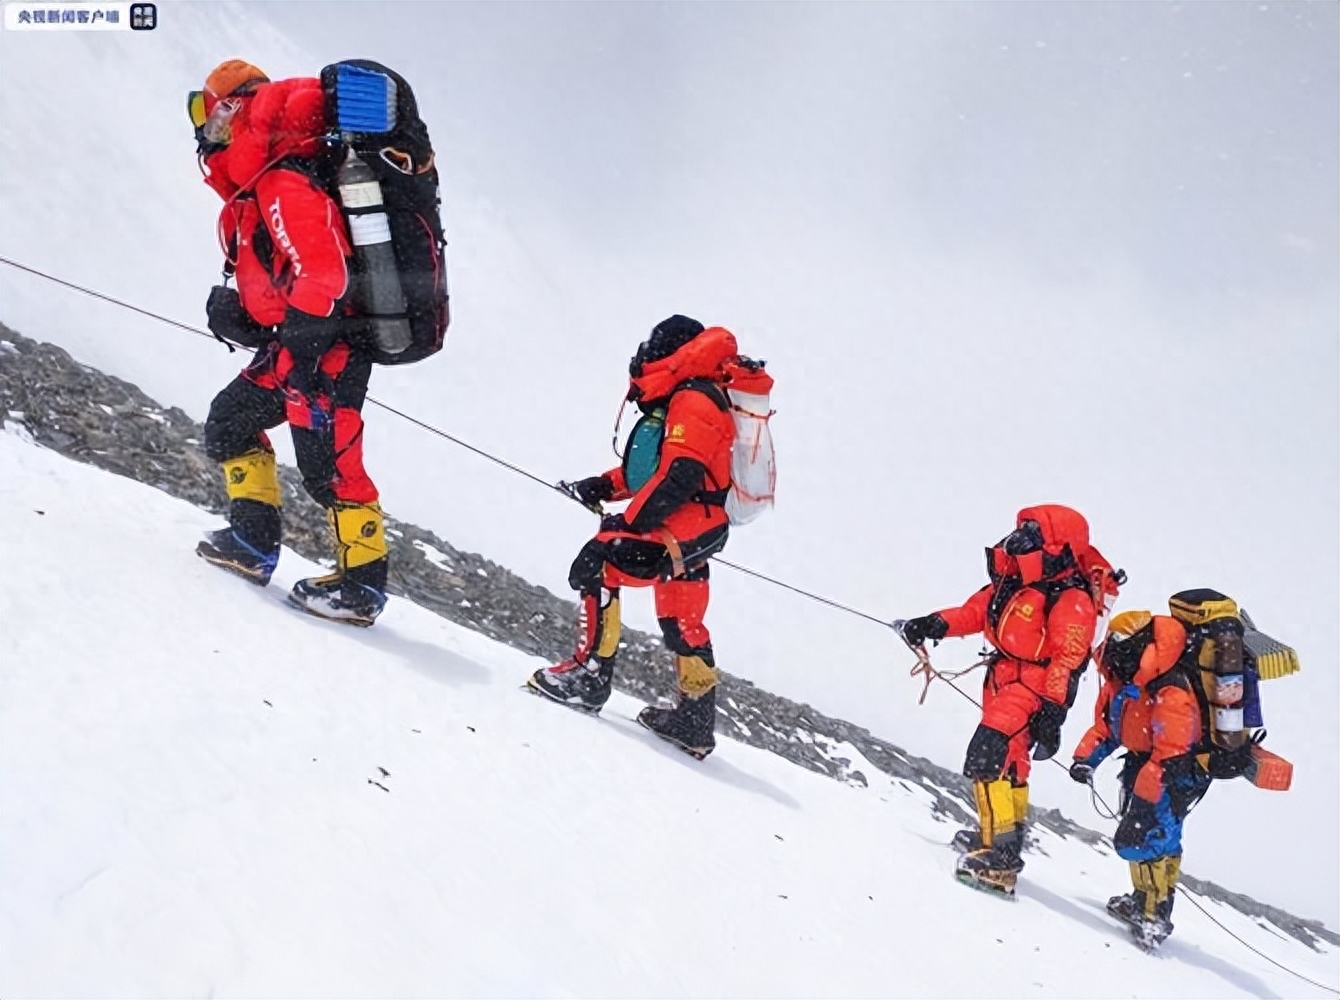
1186, 143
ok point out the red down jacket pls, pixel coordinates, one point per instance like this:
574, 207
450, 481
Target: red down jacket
281, 232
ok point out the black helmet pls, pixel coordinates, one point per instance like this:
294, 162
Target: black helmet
1122, 652
667, 336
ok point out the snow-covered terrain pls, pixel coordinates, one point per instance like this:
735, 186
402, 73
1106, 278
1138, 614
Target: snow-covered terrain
941, 224
206, 793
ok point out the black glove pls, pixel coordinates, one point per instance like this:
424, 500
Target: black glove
1044, 729
917, 630
230, 322
614, 522
1081, 772
1136, 825
591, 491
306, 387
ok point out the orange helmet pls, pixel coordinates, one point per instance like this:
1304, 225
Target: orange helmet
211, 110
230, 78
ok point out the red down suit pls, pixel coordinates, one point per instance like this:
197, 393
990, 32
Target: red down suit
676, 520
285, 239
1038, 615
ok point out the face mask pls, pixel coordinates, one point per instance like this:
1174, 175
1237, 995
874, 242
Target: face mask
218, 127
1024, 539
1121, 654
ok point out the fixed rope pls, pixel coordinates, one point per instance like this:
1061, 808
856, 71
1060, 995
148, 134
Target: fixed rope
1256, 951
922, 668
424, 425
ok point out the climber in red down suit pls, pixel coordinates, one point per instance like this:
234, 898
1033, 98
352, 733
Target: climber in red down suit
676, 474
285, 240
1039, 613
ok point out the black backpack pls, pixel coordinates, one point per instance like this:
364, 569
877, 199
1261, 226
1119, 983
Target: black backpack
393, 141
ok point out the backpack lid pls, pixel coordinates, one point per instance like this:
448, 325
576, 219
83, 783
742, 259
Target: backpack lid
1199, 607
364, 100
743, 374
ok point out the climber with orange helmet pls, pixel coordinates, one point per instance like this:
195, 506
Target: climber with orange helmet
675, 475
1147, 706
285, 241
1039, 613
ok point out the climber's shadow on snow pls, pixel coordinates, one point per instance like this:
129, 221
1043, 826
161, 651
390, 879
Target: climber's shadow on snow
426, 658
1173, 948
713, 767
1189, 954
1097, 918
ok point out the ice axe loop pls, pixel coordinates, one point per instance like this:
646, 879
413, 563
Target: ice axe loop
924, 669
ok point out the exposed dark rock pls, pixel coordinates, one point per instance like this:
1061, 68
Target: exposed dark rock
101, 420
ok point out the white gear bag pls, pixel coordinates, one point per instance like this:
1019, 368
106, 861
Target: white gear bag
753, 463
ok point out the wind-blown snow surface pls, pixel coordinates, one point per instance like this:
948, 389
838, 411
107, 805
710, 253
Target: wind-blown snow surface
203, 792
995, 255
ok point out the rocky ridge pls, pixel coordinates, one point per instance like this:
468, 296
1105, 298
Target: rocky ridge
104, 421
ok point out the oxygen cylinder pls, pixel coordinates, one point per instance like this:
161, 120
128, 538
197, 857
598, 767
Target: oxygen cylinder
1226, 698
377, 290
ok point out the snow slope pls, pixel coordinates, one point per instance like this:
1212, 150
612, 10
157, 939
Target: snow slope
203, 792
904, 208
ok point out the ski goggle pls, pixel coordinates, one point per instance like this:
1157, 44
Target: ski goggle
217, 126
195, 108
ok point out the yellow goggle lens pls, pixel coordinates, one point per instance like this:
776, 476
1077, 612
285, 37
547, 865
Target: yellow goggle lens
195, 107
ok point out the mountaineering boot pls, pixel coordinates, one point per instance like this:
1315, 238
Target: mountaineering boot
967, 839
689, 725
1156, 884
1129, 907
356, 592
994, 869
227, 549
994, 865
584, 686
584, 680
249, 546
339, 598
1149, 933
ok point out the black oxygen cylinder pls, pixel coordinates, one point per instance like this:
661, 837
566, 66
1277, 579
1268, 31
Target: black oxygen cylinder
1229, 688
377, 293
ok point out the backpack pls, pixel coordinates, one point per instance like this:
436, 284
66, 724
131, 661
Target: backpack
642, 455
745, 395
371, 110
1228, 657
753, 462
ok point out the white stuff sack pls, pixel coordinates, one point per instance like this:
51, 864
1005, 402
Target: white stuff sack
753, 464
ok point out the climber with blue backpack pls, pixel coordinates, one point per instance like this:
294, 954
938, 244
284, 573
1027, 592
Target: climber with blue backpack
331, 228
697, 461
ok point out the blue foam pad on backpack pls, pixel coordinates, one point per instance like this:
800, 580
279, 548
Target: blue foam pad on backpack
364, 100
